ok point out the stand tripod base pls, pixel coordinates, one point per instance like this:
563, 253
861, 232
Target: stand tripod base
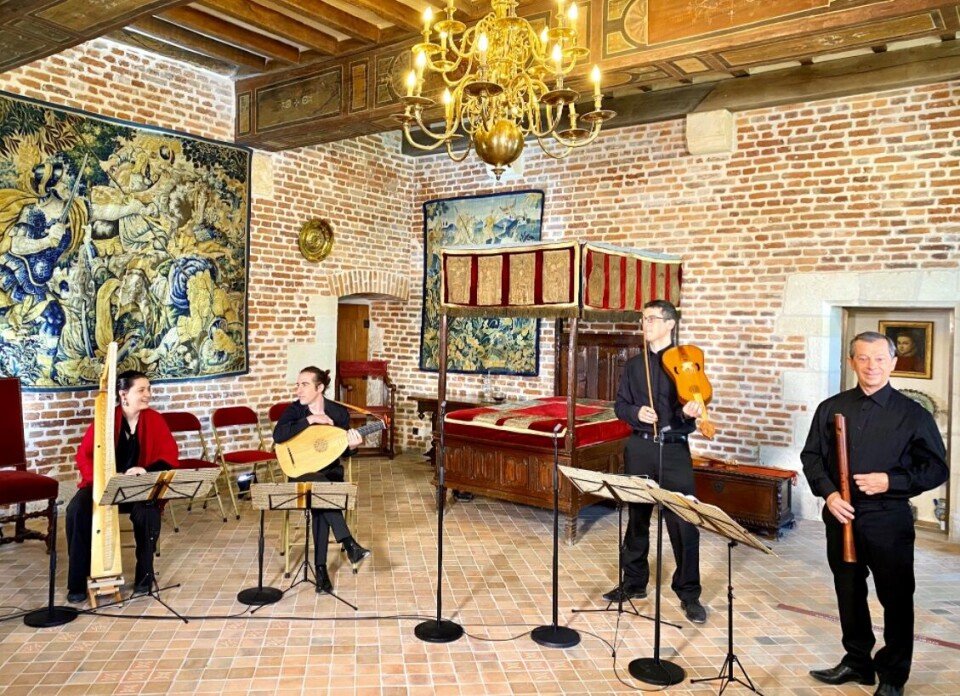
258, 596
438, 631
654, 671
555, 636
50, 617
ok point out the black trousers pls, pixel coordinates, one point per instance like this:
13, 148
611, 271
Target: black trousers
145, 518
325, 520
884, 536
641, 457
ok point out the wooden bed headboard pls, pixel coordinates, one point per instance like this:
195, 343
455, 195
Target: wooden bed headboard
600, 361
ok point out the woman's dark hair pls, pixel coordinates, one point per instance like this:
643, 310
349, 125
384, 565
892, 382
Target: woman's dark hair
126, 379
319, 376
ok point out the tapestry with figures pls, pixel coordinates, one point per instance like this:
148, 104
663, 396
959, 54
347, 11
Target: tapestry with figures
112, 231
504, 345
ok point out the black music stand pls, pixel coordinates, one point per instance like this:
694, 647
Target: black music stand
622, 490
173, 484
307, 496
713, 519
51, 616
552, 635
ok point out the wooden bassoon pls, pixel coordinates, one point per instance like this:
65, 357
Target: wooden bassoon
843, 466
106, 570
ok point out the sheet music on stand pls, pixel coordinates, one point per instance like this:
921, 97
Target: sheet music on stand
630, 489
173, 484
709, 517
324, 495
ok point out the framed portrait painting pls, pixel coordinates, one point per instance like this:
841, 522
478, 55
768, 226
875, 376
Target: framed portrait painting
914, 343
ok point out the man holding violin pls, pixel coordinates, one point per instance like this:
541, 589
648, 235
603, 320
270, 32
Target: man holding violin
647, 401
894, 451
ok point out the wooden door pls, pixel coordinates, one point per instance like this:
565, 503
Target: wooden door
353, 339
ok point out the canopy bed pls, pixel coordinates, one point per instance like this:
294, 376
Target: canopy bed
505, 451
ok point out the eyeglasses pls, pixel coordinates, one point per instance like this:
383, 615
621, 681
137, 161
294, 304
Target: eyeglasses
652, 318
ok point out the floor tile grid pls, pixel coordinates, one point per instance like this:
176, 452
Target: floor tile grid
497, 583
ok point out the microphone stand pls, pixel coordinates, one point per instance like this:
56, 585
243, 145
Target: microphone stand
554, 636
439, 630
52, 615
653, 670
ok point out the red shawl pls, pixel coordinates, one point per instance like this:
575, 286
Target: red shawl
156, 443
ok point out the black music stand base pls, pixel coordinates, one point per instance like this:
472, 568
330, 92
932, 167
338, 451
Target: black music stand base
726, 676
259, 596
555, 636
434, 631
654, 671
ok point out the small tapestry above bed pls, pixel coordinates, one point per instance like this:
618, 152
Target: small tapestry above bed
532, 422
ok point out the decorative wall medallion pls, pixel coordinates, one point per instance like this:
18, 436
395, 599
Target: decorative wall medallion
316, 239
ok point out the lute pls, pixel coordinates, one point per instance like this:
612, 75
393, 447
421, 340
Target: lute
317, 447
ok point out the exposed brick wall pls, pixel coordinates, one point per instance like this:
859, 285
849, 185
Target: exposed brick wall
857, 183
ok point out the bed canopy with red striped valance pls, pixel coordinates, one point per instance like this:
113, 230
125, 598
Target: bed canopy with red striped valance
555, 279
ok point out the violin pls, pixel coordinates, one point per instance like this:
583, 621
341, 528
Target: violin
685, 365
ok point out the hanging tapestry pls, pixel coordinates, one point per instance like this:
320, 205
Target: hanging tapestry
478, 344
111, 231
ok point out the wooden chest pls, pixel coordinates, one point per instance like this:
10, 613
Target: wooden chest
758, 497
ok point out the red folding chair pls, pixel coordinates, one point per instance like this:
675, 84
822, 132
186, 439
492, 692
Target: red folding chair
240, 422
184, 422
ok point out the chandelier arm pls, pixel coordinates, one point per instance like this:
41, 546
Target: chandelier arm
557, 156
466, 151
429, 132
413, 143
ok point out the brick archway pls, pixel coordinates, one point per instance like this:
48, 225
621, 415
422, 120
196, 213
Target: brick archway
365, 282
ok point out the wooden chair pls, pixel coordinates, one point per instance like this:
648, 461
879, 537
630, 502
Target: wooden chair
19, 487
367, 385
286, 540
241, 422
181, 422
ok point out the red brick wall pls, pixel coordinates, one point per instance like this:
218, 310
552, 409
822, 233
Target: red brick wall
849, 184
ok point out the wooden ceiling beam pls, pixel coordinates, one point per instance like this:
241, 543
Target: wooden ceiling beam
185, 39
220, 30
393, 11
335, 18
276, 23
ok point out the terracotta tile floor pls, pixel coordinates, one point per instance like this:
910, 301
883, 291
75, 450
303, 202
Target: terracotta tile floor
497, 560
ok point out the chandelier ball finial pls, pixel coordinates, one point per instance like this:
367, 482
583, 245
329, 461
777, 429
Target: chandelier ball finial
499, 146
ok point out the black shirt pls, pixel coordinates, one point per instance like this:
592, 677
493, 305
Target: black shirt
887, 432
632, 394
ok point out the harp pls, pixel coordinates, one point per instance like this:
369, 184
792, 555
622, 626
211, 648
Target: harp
106, 570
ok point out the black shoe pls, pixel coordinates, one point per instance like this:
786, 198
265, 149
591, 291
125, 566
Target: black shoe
323, 581
888, 690
143, 586
841, 674
355, 552
694, 611
76, 597
628, 592
464, 496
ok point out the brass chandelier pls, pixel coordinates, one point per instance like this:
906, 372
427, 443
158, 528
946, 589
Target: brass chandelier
496, 78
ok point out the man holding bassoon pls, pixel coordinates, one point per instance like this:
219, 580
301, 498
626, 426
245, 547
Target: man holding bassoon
894, 451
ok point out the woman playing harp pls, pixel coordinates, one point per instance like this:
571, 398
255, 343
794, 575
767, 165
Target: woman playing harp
143, 442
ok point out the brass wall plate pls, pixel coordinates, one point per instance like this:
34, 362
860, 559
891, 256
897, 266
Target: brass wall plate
316, 239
